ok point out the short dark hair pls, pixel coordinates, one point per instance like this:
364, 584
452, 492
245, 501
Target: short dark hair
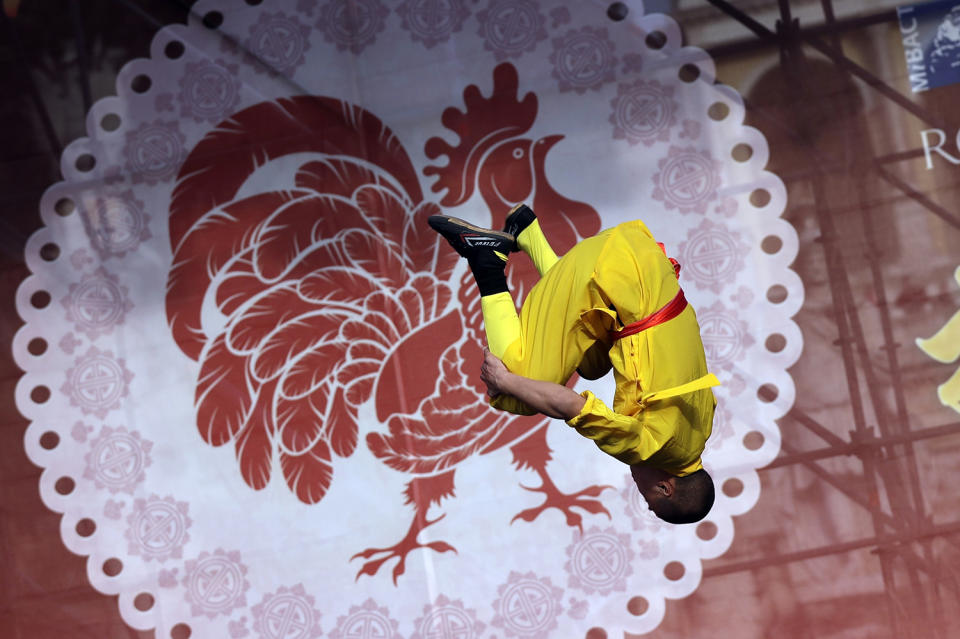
692, 499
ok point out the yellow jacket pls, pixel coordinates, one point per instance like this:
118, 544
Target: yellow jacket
663, 407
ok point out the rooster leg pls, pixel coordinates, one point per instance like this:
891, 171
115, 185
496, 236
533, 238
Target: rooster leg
534, 453
422, 493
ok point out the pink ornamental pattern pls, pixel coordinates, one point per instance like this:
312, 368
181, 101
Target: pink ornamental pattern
511, 28
726, 337
352, 25
306, 7
80, 432
167, 578
97, 303
528, 607
113, 509
688, 180
583, 59
116, 224
80, 259
154, 151
237, 628
560, 16
432, 21
289, 613
691, 129
69, 343
578, 608
632, 63
216, 583
164, 102
643, 112
157, 528
736, 385
727, 207
599, 561
446, 619
648, 548
712, 255
366, 620
743, 297
97, 382
117, 460
209, 91
280, 42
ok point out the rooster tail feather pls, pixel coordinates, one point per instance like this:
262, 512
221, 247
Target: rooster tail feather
254, 445
342, 426
222, 397
309, 474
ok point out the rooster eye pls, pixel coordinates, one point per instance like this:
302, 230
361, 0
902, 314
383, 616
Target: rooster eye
517, 154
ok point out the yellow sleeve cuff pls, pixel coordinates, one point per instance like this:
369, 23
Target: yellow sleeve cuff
628, 439
588, 409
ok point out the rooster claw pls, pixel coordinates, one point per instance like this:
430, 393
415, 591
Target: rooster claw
566, 503
398, 552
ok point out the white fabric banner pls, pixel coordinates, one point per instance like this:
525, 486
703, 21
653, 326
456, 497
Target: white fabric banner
258, 406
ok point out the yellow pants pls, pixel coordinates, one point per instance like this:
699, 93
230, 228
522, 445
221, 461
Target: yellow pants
548, 341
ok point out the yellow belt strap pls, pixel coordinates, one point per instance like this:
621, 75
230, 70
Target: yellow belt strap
707, 381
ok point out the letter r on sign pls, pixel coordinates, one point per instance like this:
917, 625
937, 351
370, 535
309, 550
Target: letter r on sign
928, 149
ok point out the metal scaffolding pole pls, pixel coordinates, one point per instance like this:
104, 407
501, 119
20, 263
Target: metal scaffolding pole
83, 64
834, 549
857, 447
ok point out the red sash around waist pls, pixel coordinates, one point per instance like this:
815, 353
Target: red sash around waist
672, 308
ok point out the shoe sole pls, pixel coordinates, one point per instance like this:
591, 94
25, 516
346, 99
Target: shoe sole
454, 226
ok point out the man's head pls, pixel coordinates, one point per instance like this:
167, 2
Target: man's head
677, 500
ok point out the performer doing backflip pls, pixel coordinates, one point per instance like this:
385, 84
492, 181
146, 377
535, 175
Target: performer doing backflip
612, 301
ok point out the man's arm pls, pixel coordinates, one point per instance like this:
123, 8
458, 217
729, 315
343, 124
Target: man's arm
553, 400
623, 437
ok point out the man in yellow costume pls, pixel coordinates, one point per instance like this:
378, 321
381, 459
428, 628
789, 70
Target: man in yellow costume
613, 301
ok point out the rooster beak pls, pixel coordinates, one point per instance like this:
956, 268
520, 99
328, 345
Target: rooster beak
548, 141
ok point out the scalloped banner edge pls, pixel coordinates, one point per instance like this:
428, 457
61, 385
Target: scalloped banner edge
118, 585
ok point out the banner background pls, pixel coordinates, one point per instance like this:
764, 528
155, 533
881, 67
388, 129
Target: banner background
847, 538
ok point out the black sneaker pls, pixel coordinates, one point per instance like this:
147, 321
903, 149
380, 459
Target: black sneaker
467, 239
520, 217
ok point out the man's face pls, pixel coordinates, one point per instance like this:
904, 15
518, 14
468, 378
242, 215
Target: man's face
653, 483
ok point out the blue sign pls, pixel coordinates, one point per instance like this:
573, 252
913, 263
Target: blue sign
931, 43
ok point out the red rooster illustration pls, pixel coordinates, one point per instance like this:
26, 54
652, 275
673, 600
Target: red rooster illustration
306, 282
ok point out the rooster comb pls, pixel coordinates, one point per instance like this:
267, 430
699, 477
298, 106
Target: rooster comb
485, 123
